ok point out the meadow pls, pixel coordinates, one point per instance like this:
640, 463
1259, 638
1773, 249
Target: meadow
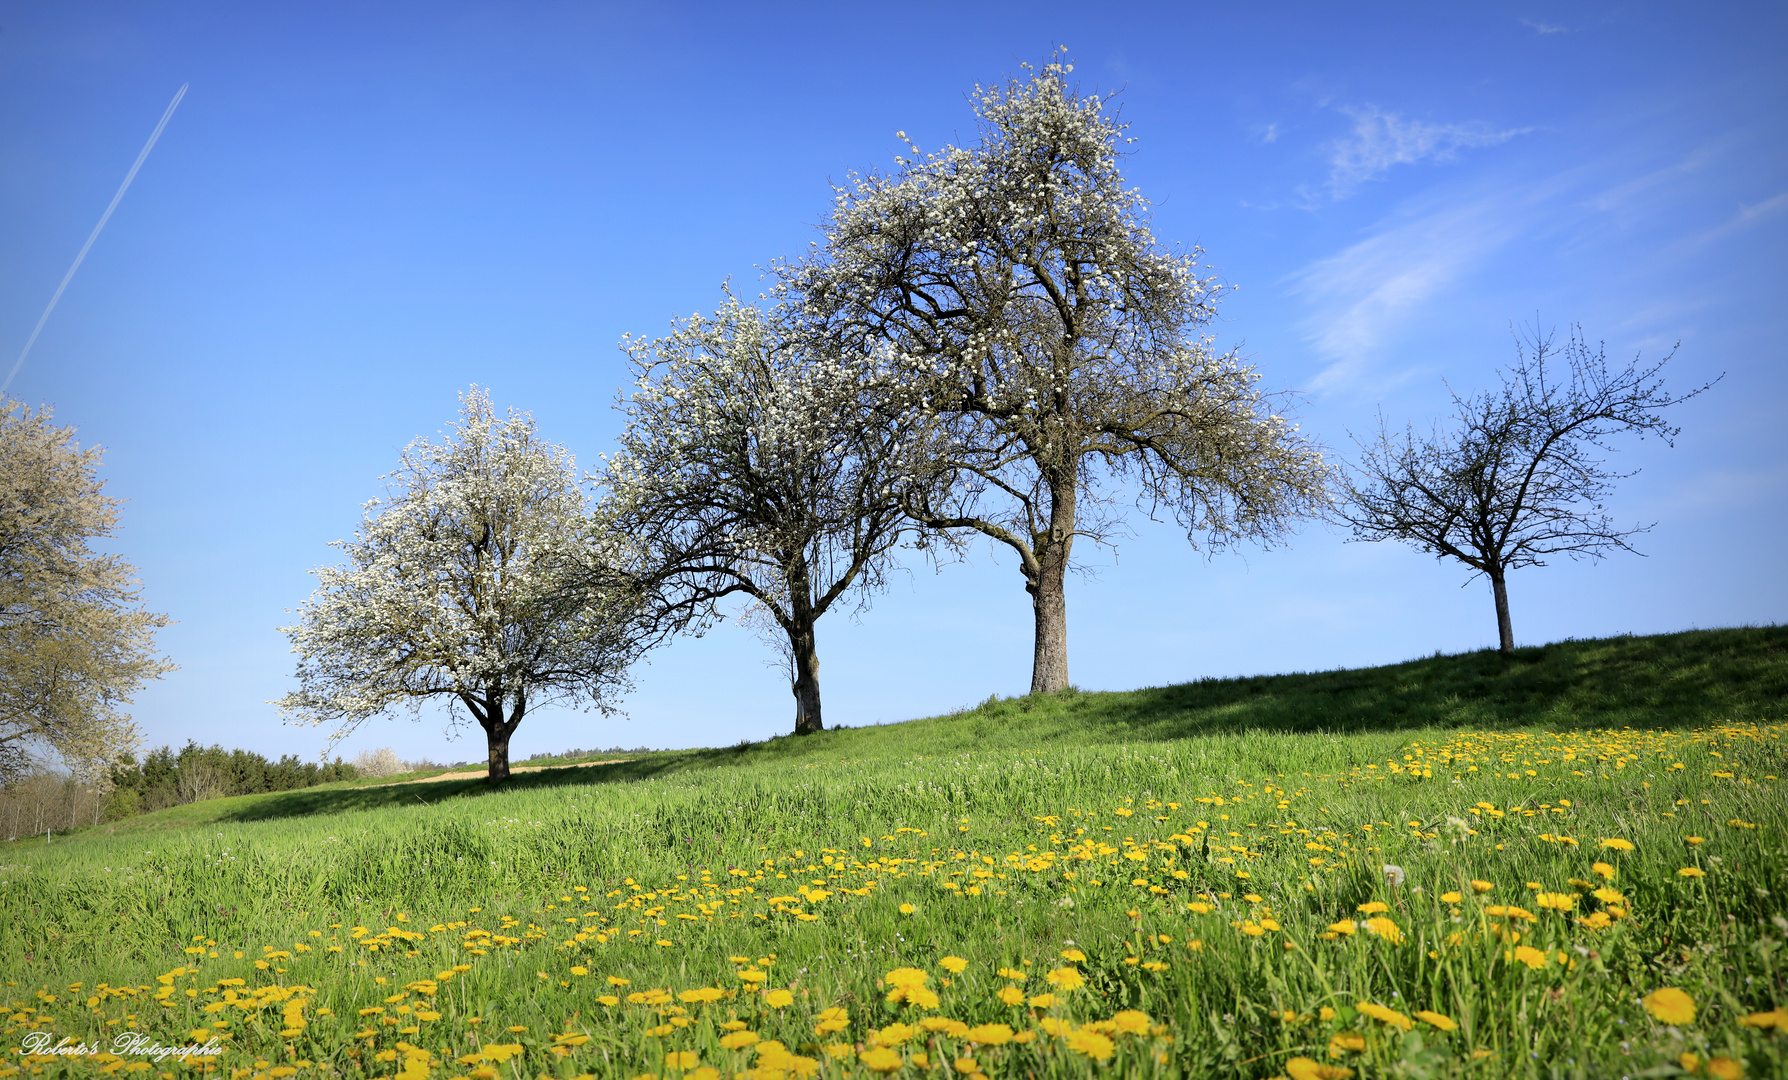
1567, 864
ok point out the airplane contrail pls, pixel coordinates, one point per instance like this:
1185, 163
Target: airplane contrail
103, 218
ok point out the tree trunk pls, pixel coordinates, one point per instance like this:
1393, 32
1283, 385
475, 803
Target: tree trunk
490, 714
1505, 631
805, 657
1049, 602
803, 648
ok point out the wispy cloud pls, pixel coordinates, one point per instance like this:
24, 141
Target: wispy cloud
1381, 140
1361, 296
1539, 27
1746, 217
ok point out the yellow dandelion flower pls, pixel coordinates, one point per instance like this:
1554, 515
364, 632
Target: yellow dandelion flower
1479, 886
1346, 1041
1373, 908
1530, 956
1692, 871
831, 1020
954, 964
681, 1059
1604, 870
1042, 1001
1303, 1068
1089, 1043
1696, 839
1010, 973
1617, 844
906, 976
894, 1034
989, 1034
1776, 1018
1556, 901
1670, 1005
1075, 955
1389, 1016
1066, 978
1451, 898
1386, 929
1010, 995
779, 999
967, 1066
1725, 1068
1131, 1022
907, 909
738, 1040
1439, 1020
880, 1059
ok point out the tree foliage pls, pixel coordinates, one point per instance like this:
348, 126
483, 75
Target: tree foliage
477, 580
756, 464
1519, 477
168, 777
75, 642
1020, 292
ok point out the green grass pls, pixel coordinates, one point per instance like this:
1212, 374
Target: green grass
1013, 789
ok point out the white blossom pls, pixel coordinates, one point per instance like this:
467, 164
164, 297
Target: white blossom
478, 578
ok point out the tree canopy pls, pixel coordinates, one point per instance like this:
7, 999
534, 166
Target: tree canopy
1017, 288
1519, 477
755, 464
75, 641
476, 580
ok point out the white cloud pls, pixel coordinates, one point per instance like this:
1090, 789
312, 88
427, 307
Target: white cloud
1381, 140
1544, 28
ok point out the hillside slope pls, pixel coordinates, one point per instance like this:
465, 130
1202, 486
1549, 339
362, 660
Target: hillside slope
1674, 681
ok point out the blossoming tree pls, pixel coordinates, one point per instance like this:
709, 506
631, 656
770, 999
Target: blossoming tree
754, 465
1029, 306
75, 643
478, 580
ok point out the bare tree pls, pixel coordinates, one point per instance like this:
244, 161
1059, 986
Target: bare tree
1026, 303
477, 580
753, 465
75, 643
1519, 477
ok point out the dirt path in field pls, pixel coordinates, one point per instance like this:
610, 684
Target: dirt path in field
479, 774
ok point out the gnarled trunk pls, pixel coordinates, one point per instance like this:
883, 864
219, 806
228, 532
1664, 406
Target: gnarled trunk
806, 687
803, 648
1505, 631
1046, 584
499, 723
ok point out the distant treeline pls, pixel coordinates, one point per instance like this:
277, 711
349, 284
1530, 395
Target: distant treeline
194, 773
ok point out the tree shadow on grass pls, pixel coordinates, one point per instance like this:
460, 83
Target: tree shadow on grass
1674, 681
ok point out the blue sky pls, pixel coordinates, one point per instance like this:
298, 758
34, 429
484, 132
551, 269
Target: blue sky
359, 210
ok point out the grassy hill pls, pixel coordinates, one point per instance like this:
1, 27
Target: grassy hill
1192, 880
1665, 681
